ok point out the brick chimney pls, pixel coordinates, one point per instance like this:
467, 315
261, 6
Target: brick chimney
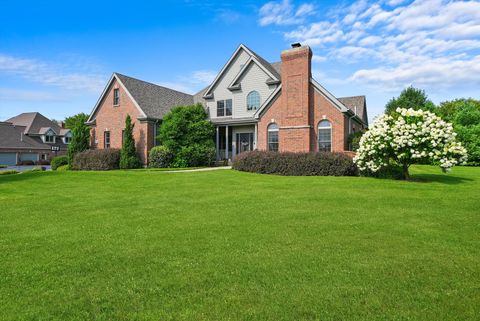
296, 73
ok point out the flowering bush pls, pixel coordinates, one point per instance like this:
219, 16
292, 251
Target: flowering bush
408, 136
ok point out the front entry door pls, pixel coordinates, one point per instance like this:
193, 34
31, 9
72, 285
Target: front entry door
244, 142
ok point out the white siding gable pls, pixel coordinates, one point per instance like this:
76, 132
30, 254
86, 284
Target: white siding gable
253, 78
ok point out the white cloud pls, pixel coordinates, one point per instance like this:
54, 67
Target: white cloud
284, 13
203, 77
8, 94
191, 83
50, 74
432, 43
442, 73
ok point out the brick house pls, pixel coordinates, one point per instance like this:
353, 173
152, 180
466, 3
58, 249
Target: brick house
253, 104
30, 137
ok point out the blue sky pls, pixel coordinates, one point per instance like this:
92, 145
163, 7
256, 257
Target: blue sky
56, 56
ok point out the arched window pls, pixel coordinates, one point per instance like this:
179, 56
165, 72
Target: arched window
272, 137
324, 136
253, 100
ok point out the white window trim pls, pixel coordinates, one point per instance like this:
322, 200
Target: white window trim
331, 134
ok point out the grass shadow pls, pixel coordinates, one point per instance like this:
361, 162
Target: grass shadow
439, 178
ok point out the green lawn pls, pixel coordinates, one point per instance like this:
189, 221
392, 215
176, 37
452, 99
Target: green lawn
226, 245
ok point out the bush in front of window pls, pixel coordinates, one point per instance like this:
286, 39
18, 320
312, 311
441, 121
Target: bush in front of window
194, 156
160, 157
97, 160
59, 161
189, 134
295, 164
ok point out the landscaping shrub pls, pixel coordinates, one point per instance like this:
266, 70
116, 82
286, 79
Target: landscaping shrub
189, 134
295, 164
3, 166
42, 162
63, 168
195, 155
26, 163
97, 159
160, 157
9, 172
354, 140
59, 161
128, 154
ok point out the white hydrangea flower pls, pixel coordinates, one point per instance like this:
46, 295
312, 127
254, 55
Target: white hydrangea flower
406, 136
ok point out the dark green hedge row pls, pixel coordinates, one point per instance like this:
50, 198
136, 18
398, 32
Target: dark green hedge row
295, 164
97, 160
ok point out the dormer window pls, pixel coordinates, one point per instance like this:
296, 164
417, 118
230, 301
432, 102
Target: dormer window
116, 97
67, 138
50, 137
253, 100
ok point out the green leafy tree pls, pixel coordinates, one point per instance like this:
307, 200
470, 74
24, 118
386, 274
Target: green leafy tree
72, 120
464, 114
188, 134
80, 135
128, 154
410, 98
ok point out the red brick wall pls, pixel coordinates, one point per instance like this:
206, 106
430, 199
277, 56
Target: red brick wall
112, 118
291, 110
299, 108
324, 109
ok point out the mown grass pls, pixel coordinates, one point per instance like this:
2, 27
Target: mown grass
226, 245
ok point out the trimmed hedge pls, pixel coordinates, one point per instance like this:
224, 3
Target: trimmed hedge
194, 156
160, 157
295, 164
59, 161
26, 163
97, 160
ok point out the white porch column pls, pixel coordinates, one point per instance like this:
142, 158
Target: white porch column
255, 137
226, 142
217, 143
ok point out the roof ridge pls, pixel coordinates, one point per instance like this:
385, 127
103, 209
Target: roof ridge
151, 83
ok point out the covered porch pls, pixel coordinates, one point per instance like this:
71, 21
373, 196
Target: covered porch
234, 138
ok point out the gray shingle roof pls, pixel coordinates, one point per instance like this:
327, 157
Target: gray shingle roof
154, 100
34, 122
277, 66
265, 63
356, 101
198, 97
13, 137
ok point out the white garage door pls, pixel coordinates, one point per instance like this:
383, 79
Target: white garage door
29, 156
9, 159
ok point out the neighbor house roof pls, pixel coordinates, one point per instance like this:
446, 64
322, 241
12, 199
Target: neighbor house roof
13, 137
154, 101
34, 123
358, 105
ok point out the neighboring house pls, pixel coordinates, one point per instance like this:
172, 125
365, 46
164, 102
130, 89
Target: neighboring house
252, 103
30, 136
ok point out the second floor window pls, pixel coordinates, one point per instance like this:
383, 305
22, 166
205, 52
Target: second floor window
116, 97
224, 108
50, 138
106, 139
253, 100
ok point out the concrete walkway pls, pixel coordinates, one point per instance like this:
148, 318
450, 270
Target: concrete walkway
206, 169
